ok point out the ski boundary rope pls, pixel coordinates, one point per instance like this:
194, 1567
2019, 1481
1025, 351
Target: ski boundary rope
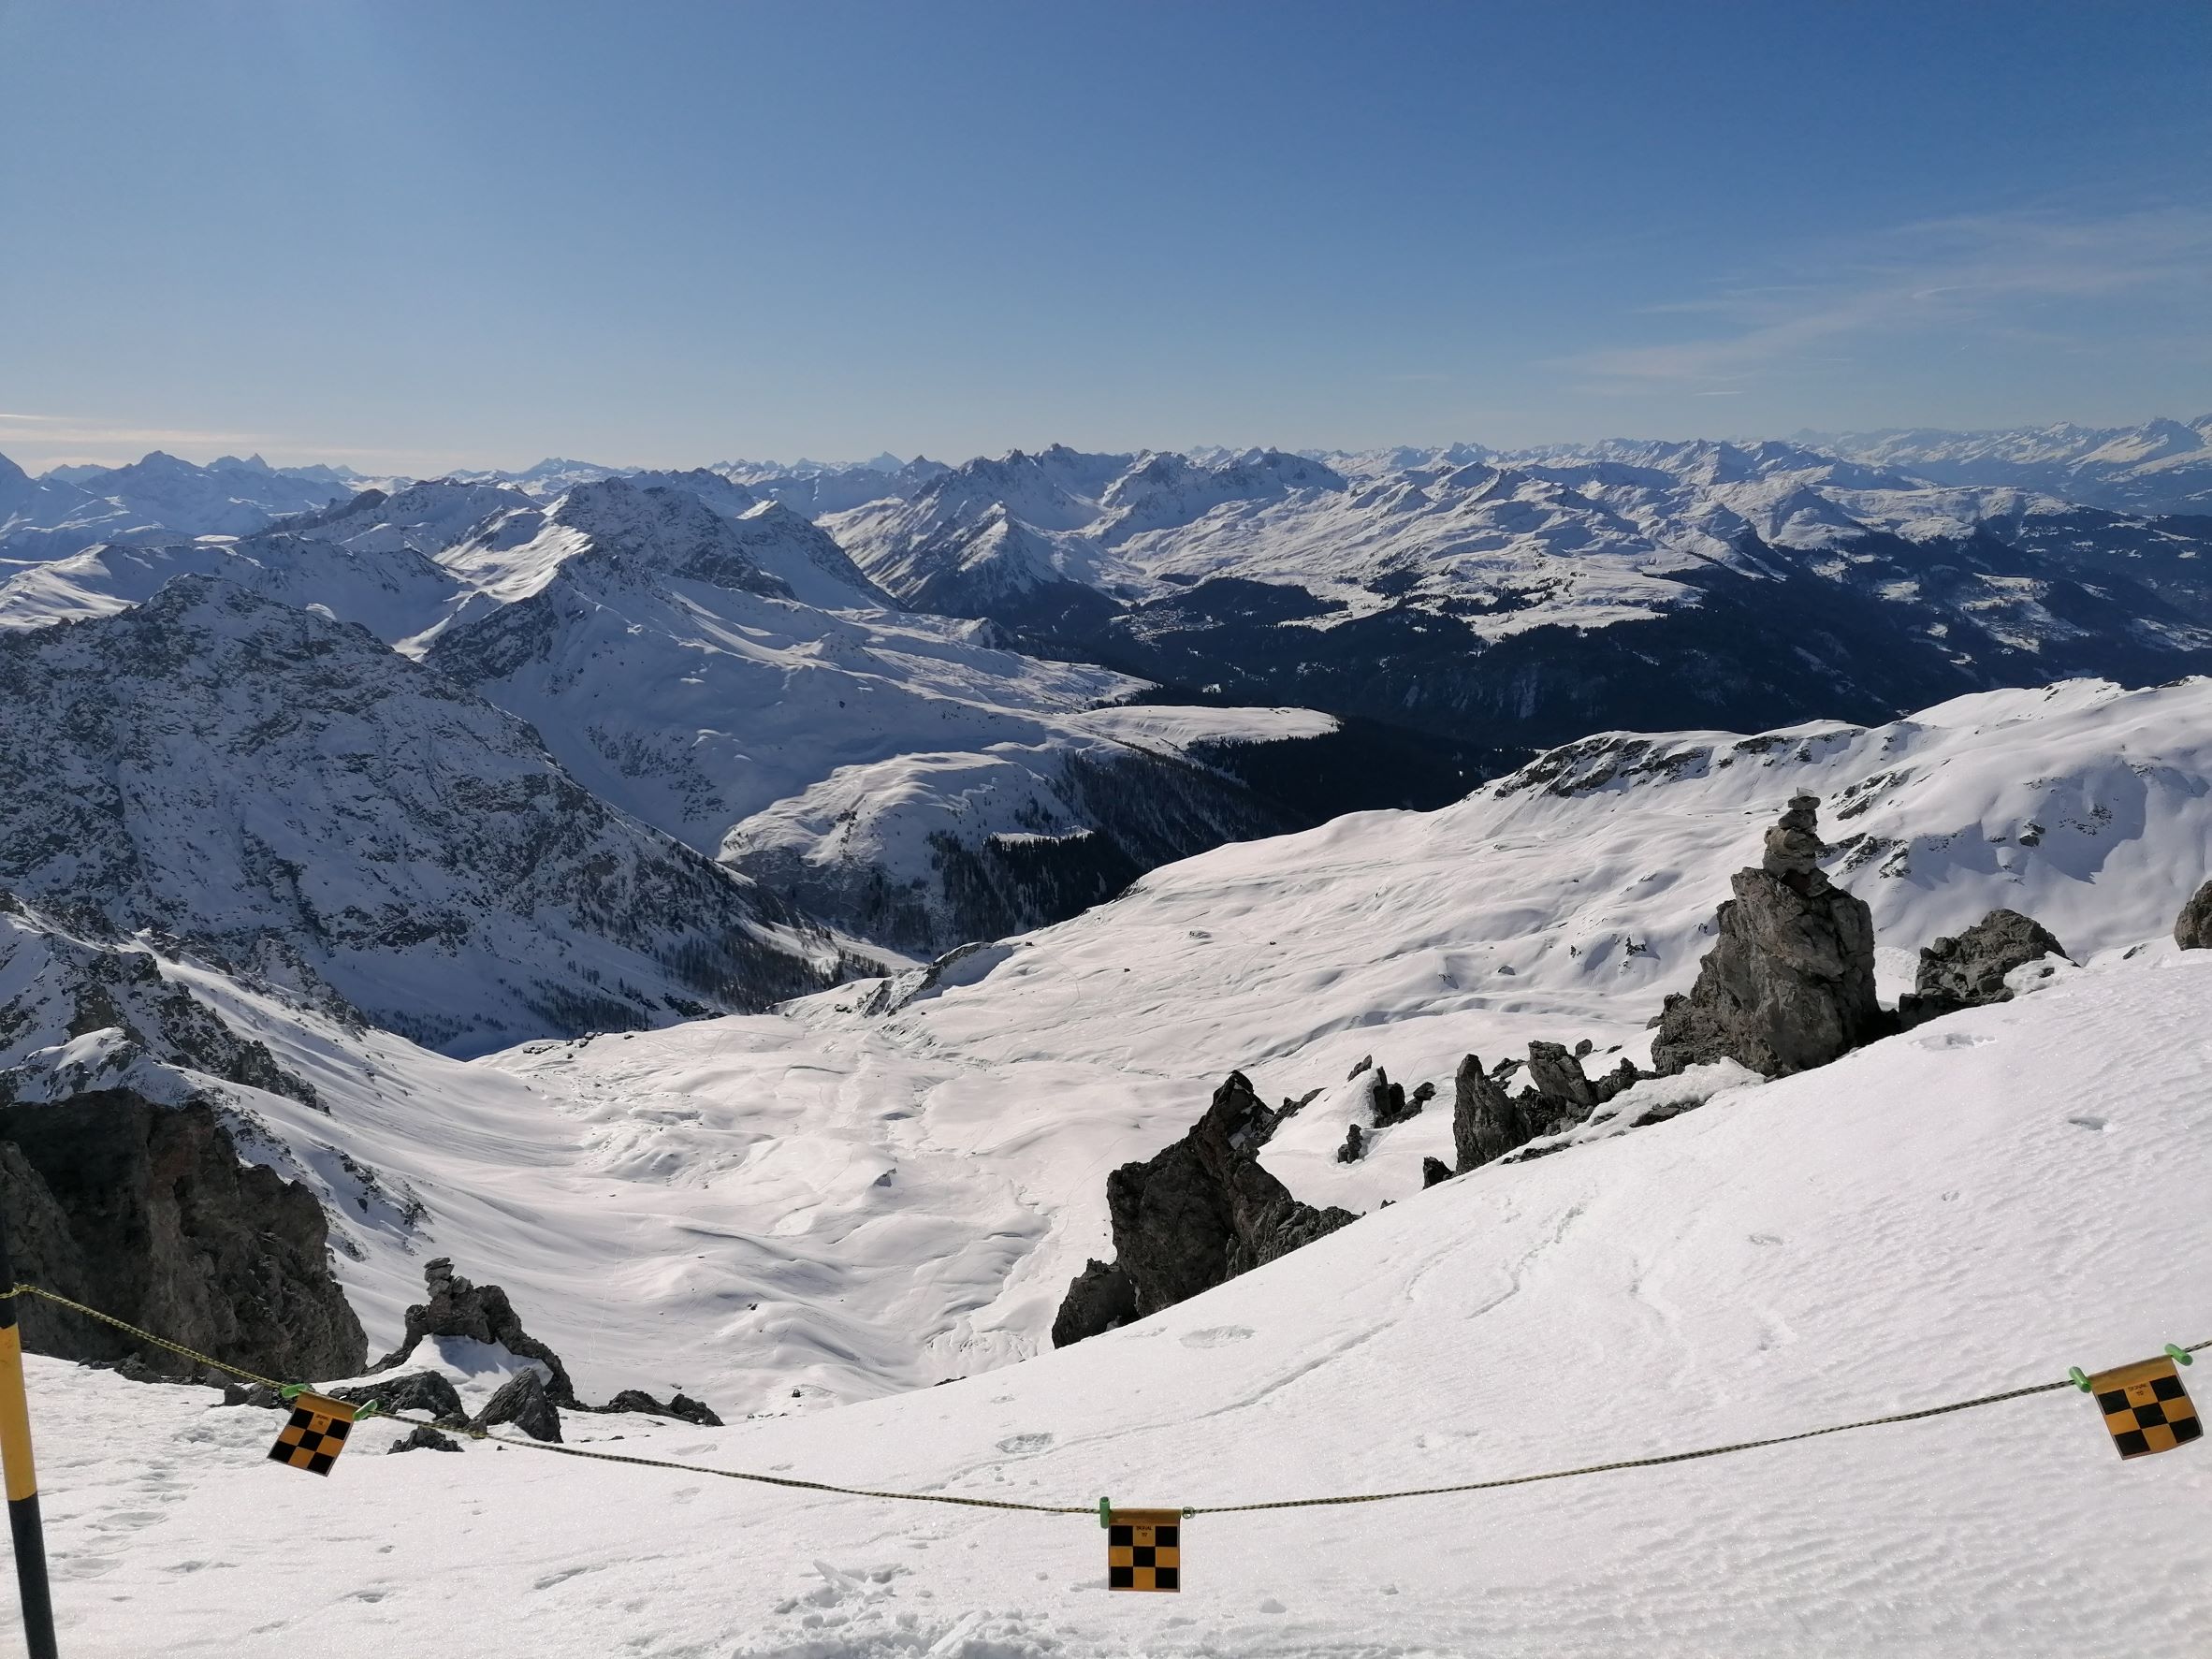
1657, 1460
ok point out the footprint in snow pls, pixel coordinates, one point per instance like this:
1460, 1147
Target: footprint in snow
1955, 1039
1217, 1337
2101, 1126
1021, 1443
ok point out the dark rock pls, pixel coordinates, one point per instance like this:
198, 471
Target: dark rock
1355, 1146
1583, 1048
1421, 1097
1789, 985
426, 1438
1620, 1077
523, 1400
1486, 1123
1559, 1079
1433, 1170
2192, 928
482, 1312
145, 1210
254, 1394
683, 1408
1197, 1214
1968, 971
1100, 1298
420, 1393
1364, 1061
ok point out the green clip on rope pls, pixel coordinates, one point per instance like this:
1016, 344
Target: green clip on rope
2074, 1376
2181, 1355
1106, 1512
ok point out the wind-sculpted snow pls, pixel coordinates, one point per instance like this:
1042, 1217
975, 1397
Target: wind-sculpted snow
285, 791
1940, 1216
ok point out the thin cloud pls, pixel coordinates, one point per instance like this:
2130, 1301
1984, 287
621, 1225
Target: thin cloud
1977, 272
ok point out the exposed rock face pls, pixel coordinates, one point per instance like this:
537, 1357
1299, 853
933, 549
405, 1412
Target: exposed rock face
1558, 1078
1195, 1215
460, 1308
145, 1210
1790, 984
1355, 1144
424, 1438
1433, 1170
419, 1394
2192, 928
1099, 1299
522, 1400
1968, 971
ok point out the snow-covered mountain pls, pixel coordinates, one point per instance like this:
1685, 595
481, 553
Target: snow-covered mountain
158, 497
1538, 597
727, 680
376, 581
295, 798
2162, 466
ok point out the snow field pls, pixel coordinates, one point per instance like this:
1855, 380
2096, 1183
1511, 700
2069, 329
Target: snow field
1972, 1207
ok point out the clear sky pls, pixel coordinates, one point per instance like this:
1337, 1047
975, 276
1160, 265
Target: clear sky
464, 232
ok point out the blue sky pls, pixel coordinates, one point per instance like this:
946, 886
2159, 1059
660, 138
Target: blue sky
423, 235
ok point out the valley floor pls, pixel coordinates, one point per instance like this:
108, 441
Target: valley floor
1971, 1207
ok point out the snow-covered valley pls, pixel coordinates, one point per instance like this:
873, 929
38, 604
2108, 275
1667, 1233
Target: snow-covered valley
555, 874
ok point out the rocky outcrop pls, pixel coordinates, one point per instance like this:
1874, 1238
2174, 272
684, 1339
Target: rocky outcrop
682, 1407
1355, 1144
522, 1400
423, 1438
145, 1210
419, 1394
456, 1307
1100, 1298
1194, 1216
1433, 1170
1790, 984
1486, 1123
1559, 1080
1968, 970
2192, 928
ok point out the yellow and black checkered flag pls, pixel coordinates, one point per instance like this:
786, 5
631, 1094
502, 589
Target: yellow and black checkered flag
2146, 1408
1145, 1550
315, 1436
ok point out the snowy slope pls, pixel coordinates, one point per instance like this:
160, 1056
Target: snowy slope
854, 1203
1939, 1216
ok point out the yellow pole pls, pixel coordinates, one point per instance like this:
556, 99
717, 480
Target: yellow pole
21, 1477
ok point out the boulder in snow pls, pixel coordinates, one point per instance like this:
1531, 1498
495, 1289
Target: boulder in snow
1969, 969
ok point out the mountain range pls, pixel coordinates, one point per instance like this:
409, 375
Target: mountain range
869, 712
